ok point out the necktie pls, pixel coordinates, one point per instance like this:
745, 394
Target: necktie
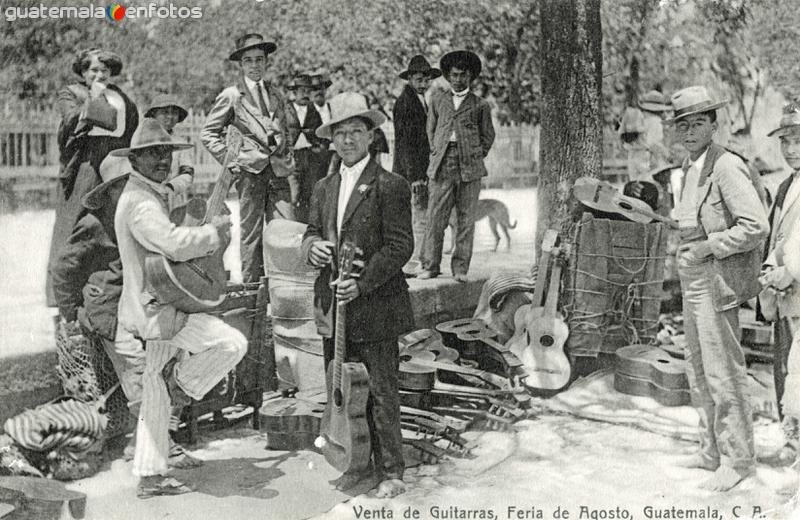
262, 105
780, 197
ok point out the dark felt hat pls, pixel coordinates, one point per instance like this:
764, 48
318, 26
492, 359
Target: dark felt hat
300, 80
150, 133
164, 101
790, 119
320, 80
467, 60
251, 41
420, 64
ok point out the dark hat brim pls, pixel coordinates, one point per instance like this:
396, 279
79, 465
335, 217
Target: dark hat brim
469, 58
96, 198
782, 130
325, 84
123, 152
269, 48
183, 113
431, 72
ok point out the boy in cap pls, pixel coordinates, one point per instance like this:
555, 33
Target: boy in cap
780, 297
142, 227
258, 110
722, 229
167, 110
363, 203
411, 147
460, 133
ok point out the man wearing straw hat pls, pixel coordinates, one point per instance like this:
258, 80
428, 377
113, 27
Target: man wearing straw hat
363, 203
143, 227
411, 147
269, 130
780, 297
722, 230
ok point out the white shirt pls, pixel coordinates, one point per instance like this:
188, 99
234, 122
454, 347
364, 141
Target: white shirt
686, 209
350, 176
424, 103
324, 112
458, 98
301, 142
253, 86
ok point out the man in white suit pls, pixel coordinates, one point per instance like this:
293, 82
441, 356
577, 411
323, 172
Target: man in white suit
780, 297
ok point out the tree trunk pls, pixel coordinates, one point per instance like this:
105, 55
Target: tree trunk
571, 143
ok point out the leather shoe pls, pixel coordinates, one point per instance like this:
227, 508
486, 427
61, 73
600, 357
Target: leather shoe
460, 277
425, 274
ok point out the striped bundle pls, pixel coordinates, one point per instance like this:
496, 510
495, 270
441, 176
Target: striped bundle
499, 285
68, 425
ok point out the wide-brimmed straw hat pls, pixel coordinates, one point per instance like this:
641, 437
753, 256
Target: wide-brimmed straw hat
654, 101
165, 101
693, 100
347, 105
150, 133
419, 64
466, 59
251, 41
98, 196
790, 119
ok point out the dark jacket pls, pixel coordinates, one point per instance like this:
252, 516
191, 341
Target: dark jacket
411, 148
472, 123
377, 220
309, 125
80, 158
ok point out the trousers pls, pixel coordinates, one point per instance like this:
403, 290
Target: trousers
215, 349
716, 371
445, 191
382, 361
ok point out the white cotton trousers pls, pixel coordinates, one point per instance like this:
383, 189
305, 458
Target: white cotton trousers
215, 349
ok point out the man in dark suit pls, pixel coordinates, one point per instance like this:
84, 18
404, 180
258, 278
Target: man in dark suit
307, 141
259, 111
461, 134
411, 148
364, 204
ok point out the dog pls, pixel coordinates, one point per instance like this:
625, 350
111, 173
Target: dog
498, 215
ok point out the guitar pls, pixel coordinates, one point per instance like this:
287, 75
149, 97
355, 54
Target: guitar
470, 336
292, 423
198, 284
431, 341
649, 371
539, 342
344, 433
602, 196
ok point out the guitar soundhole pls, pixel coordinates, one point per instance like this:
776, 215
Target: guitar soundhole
547, 341
338, 398
625, 205
405, 358
662, 361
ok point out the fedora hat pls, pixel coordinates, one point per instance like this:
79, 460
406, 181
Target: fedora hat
300, 80
347, 105
654, 101
98, 196
150, 133
164, 101
463, 59
419, 64
320, 80
789, 119
251, 41
693, 100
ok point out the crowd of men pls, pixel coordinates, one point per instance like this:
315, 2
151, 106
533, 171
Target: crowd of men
285, 168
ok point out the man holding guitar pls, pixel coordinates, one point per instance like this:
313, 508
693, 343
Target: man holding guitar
722, 228
365, 205
142, 227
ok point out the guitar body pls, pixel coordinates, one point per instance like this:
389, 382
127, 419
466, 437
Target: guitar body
540, 347
603, 196
344, 422
649, 371
471, 337
195, 285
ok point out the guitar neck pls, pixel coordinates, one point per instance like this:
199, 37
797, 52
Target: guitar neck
217, 199
552, 292
339, 343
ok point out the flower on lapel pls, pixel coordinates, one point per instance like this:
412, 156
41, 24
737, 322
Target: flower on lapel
362, 188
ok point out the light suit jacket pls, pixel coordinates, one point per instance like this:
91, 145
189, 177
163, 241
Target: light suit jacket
733, 218
784, 238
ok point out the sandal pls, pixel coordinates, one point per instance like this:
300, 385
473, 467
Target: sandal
179, 458
158, 486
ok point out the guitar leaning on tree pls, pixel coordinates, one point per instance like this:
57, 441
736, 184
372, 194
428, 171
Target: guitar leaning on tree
541, 335
344, 433
198, 284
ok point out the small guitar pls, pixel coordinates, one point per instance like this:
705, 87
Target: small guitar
471, 336
539, 343
292, 423
649, 371
344, 433
198, 284
603, 196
